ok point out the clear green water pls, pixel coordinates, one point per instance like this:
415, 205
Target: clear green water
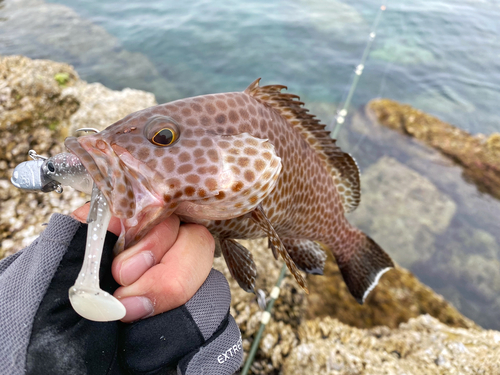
440, 56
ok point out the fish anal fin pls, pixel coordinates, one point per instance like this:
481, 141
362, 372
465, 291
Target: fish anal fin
240, 263
273, 249
363, 267
260, 218
308, 255
341, 165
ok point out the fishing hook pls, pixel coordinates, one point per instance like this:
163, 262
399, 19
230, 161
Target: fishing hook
32, 154
94, 130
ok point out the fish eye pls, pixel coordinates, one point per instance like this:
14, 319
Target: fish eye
165, 137
162, 131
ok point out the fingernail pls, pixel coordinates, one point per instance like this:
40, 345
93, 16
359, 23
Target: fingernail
134, 267
137, 308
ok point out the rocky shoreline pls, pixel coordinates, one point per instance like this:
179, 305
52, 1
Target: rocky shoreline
479, 155
404, 327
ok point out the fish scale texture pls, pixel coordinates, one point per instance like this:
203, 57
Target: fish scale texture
24, 279
210, 304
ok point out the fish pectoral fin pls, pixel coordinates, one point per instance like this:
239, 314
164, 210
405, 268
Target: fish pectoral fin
218, 249
363, 267
240, 263
308, 255
260, 218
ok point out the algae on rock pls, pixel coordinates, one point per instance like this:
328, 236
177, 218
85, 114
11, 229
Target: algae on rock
478, 155
32, 108
398, 297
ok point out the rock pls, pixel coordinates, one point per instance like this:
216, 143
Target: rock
398, 297
33, 110
421, 346
464, 265
280, 335
40, 102
101, 107
478, 155
399, 50
42, 29
468, 260
334, 17
402, 211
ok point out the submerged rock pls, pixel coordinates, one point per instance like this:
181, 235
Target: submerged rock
398, 297
462, 262
402, 211
479, 155
42, 29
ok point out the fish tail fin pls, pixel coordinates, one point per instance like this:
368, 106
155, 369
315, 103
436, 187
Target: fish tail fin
362, 265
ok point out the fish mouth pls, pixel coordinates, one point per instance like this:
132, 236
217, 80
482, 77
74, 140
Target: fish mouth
74, 146
122, 179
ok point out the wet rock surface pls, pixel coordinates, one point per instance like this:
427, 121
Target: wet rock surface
479, 155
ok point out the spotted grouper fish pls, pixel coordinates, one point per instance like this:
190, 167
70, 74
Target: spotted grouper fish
246, 165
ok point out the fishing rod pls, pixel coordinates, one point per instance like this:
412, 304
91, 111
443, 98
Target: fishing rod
342, 113
266, 317
337, 123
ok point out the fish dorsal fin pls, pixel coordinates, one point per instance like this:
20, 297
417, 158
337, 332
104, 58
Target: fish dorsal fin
343, 168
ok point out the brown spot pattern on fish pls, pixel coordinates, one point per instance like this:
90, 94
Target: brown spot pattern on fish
227, 154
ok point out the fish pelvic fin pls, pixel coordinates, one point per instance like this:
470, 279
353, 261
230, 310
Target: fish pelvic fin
308, 255
341, 165
363, 266
240, 263
260, 218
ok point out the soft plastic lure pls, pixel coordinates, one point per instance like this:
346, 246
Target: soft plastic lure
50, 174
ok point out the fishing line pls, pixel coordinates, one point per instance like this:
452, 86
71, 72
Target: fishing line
266, 317
338, 121
342, 113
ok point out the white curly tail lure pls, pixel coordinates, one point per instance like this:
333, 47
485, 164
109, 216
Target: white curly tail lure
86, 297
49, 174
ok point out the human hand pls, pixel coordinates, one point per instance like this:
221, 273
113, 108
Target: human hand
197, 337
163, 270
